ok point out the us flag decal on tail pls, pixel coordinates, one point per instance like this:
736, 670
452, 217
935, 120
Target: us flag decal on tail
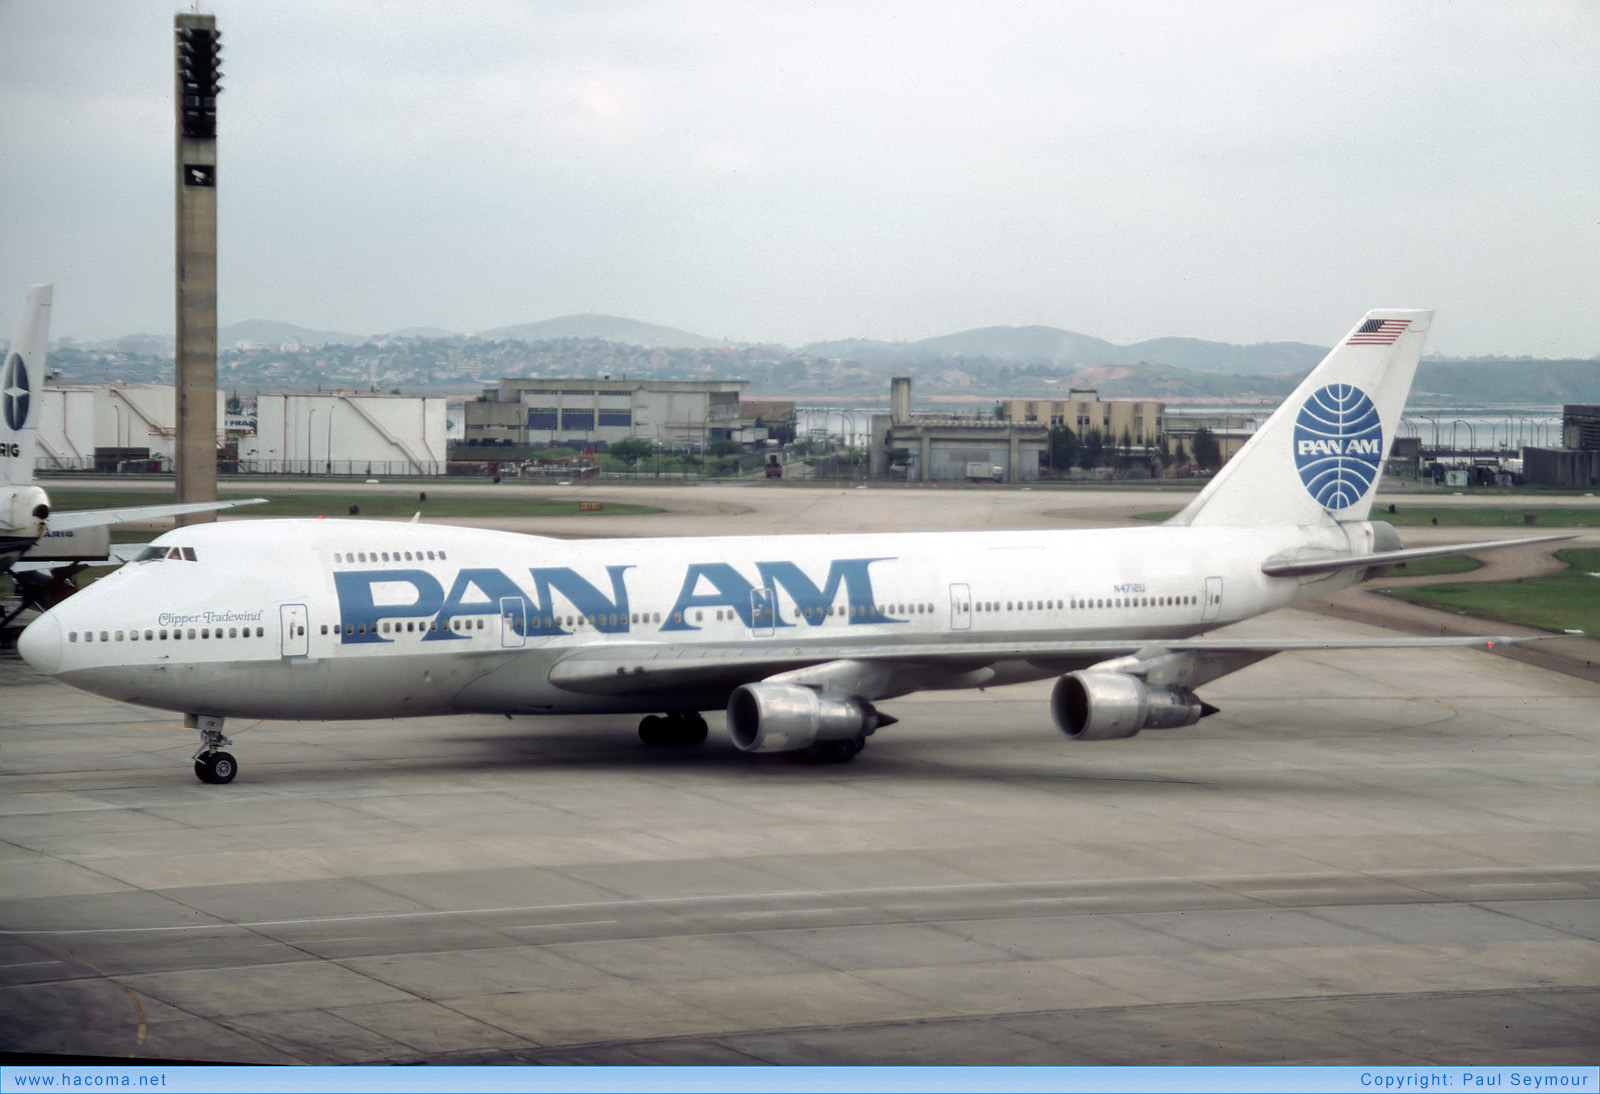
1378, 332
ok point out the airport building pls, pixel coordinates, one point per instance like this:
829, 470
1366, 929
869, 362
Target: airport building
934, 448
1230, 431
582, 413
1577, 461
1083, 411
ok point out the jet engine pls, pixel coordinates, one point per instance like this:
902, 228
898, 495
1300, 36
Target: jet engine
767, 717
1105, 706
28, 511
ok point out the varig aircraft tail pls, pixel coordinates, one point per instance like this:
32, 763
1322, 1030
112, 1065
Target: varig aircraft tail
19, 384
1320, 455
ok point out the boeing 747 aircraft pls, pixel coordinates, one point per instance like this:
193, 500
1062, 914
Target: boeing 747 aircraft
799, 637
56, 545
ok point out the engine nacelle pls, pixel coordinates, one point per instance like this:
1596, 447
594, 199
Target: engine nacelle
786, 717
28, 511
1105, 706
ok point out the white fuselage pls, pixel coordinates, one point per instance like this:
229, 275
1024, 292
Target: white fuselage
360, 619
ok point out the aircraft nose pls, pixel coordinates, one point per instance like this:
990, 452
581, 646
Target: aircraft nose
40, 644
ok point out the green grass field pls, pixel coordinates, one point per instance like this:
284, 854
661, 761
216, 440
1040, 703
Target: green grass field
1447, 516
1510, 516
1429, 567
1568, 601
338, 505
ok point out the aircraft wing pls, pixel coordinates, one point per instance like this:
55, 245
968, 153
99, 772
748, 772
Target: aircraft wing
1299, 567
93, 518
648, 669
120, 553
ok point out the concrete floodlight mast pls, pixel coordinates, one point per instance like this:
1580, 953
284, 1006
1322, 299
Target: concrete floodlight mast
198, 50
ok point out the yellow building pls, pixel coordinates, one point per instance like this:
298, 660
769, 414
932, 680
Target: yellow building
1084, 411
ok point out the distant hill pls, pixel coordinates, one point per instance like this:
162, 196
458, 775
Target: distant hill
609, 328
1497, 380
986, 361
1163, 382
1260, 359
1022, 345
1067, 349
270, 332
420, 332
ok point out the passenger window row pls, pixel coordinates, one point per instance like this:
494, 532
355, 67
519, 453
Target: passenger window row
458, 624
1084, 604
462, 624
176, 634
345, 557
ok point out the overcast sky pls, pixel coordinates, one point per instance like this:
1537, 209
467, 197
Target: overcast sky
797, 171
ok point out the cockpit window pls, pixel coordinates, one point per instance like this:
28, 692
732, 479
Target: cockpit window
155, 552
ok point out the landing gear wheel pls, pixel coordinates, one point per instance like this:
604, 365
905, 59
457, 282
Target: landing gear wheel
223, 767
216, 768
681, 729
693, 731
831, 752
653, 731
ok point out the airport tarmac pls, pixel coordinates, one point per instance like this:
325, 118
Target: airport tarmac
1365, 858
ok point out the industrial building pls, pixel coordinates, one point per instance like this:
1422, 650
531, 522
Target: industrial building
579, 413
347, 433
108, 428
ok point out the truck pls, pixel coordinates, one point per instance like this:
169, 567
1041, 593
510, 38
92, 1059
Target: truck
980, 471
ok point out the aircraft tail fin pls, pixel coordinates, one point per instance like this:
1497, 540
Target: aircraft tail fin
20, 380
1320, 455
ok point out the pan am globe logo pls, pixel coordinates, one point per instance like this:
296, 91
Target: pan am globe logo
1338, 445
14, 393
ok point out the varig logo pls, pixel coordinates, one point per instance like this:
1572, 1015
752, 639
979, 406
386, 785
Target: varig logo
14, 389
1338, 445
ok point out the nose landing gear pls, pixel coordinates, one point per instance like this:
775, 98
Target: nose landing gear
211, 764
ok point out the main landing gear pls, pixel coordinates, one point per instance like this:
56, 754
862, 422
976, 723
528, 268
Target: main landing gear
831, 752
680, 728
211, 764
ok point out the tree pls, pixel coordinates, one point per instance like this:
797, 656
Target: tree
1207, 453
1094, 447
1000, 412
1063, 447
722, 446
631, 450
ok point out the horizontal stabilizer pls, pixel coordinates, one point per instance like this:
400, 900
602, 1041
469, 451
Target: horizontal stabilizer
91, 518
1304, 567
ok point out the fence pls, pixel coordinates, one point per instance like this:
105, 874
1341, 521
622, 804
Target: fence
301, 468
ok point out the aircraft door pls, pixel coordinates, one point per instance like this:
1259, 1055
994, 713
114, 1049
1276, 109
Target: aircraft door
1213, 604
960, 608
513, 622
292, 622
763, 603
